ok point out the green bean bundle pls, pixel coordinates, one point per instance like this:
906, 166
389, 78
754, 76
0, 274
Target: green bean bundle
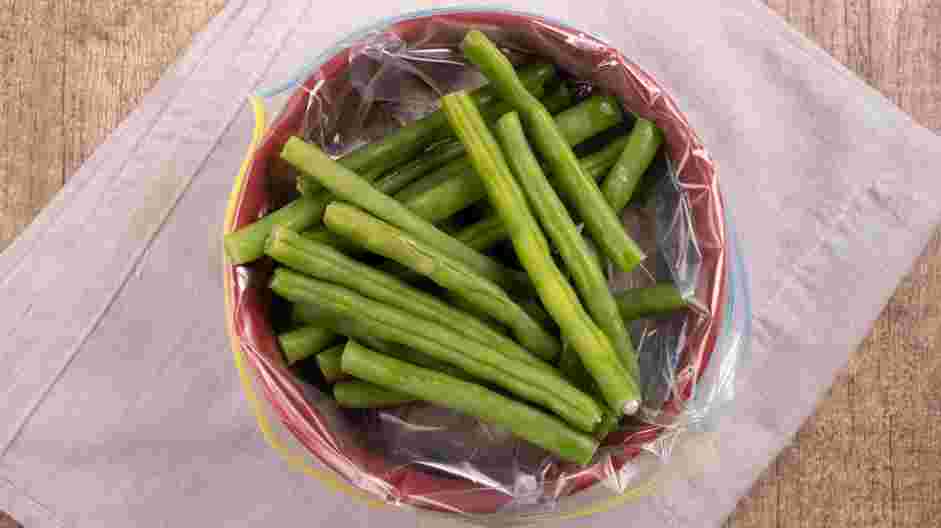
326, 263
392, 243
580, 261
593, 346
488, 231
456, 186
394, 325
346, 326
372, 160
472, 399
346, 185
581, 190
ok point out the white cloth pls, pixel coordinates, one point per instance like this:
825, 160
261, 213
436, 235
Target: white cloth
119, 405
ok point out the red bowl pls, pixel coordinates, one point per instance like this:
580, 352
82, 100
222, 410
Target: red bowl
585, 57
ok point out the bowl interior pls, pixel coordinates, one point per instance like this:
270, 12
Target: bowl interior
333, 437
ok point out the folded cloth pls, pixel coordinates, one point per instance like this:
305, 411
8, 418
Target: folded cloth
118, 401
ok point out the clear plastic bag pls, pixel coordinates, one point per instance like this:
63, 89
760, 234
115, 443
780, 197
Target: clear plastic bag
435, 459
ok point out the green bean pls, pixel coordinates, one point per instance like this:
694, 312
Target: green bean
557, 295
399, 178
483, 234
573, 370
535, 310
329, 363
462, 304
644, 141
308, 186
651, 301
322, 236
304, 342
402, 177
600, 220
454, 168
475, 400
394, 325
395, 244
647, 186
307, 314
248, 243
580, 260
358, 394
313, 315
609, 423
326, 263
445, 198
597, 164
346, 185
588, 118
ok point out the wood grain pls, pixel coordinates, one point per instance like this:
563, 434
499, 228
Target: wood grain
72, 70
870, 456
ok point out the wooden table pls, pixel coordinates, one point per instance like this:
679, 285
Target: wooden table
72, 69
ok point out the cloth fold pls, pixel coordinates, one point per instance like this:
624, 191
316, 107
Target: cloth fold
119, 403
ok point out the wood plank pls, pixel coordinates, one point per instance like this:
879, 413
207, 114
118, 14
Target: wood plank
31, 91
116, 50
69, 80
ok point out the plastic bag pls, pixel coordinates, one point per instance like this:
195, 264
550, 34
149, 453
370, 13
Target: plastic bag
435, 459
